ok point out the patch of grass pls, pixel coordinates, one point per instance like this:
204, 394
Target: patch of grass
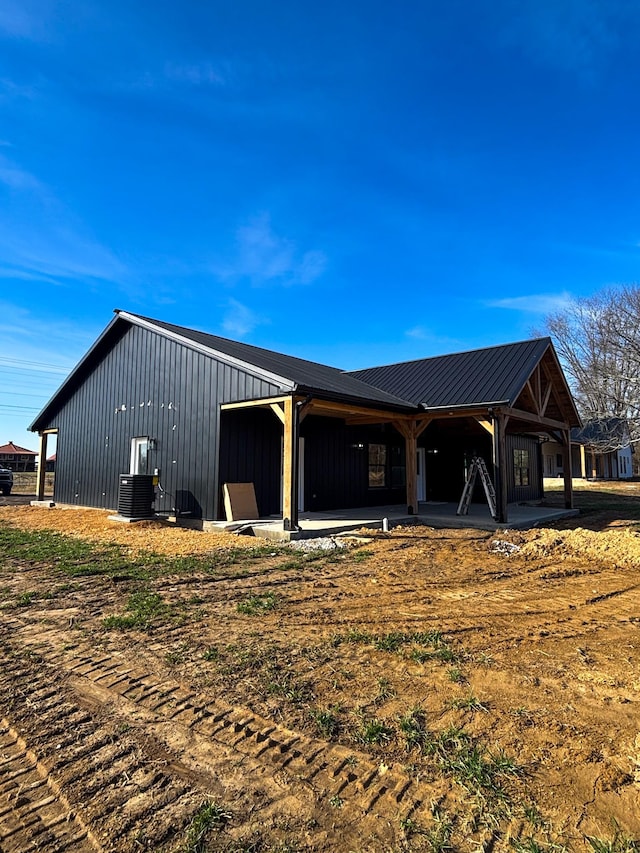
385, 691
327, 721
178, 655
143, 609
470, 764
373, 731
336, 802
427, 645
620, 842
257, 605
210, 816
211, 654
529, 844
25, 599
413, 728
468, 703
360, 556
456, 675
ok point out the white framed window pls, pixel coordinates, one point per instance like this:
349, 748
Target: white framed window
139, 455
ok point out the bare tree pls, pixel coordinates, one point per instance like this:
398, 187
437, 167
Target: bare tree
598, 342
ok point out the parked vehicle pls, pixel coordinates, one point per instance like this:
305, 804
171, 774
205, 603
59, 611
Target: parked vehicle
6, 481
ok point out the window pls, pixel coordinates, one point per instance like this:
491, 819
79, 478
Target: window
139, 455
377, 466
558, 460
521, 467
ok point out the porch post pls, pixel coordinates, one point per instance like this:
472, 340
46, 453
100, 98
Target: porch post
42, 467
411, 461
500, 467
290, 466
583, 463
566, 468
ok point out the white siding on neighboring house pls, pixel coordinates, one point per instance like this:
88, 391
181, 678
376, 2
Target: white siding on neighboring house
625, 463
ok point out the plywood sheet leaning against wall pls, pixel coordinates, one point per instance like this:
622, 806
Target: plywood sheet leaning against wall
240, 501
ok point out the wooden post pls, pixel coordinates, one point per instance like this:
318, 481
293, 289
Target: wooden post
411, 461
500, 466
411, 431
290, 467
42, 467
583, 463
566, 468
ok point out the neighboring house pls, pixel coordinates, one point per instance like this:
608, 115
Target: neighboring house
200, 411
17, 458
601, 450
51, 463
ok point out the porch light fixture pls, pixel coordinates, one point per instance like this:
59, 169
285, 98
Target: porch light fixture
358, 446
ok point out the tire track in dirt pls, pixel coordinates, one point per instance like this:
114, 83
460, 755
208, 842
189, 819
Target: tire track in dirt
34, 815
328, 770
186, 738
71, 782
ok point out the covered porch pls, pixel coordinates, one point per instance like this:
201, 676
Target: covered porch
493, 426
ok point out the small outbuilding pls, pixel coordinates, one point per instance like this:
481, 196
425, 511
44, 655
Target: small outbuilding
198, 411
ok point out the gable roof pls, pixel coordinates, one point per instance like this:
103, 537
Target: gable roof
483, 377
478, 378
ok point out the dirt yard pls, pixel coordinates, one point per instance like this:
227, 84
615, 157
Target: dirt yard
423, 690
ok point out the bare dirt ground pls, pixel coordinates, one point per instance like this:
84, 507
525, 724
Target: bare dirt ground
421, 690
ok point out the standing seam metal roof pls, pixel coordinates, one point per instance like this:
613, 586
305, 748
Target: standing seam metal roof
485, 376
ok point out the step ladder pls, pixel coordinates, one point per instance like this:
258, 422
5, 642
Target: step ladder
478, 465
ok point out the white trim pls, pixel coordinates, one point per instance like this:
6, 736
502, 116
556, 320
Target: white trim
285, 384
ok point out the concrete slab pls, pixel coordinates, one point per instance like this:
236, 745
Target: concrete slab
441, 515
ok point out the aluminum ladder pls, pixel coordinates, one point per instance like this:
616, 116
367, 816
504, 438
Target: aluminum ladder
477, 465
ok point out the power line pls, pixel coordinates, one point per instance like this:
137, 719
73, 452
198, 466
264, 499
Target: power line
7, 360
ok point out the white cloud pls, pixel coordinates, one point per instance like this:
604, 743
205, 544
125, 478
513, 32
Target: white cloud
239, 320
536, 303
266, 258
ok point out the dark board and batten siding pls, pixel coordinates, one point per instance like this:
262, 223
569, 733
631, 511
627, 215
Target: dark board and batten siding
169, 393
534, 490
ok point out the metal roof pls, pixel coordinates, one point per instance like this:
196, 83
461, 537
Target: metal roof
491, 376
307, 376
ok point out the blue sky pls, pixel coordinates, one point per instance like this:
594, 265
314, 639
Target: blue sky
356, 183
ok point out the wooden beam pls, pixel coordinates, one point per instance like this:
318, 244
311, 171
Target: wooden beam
546, 398
278, 411
530, 417
411, 430
583, 463
485, 424
411, 461
289, 464
253, 404
42, 466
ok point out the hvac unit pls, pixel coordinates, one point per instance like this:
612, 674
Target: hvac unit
136, 496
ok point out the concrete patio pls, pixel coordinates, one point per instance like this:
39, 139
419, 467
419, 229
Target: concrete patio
316, 524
